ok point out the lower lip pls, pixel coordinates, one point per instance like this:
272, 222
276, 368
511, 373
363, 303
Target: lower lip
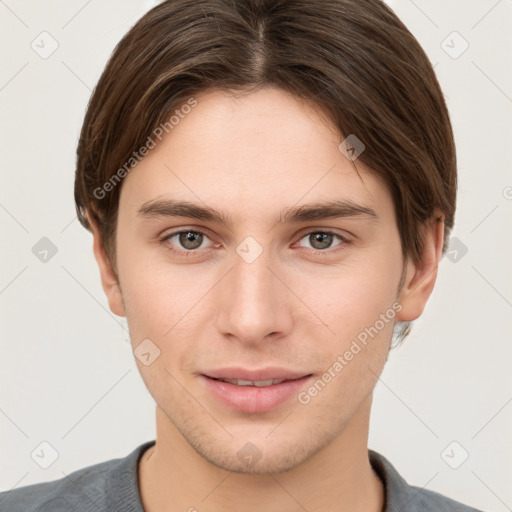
252, 398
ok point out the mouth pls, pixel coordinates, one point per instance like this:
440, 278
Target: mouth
257, 383
254, 391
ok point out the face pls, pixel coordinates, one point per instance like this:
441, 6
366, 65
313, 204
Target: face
257, 294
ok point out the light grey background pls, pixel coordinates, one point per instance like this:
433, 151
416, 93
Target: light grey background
67, 374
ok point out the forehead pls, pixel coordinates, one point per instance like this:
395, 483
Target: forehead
257, 149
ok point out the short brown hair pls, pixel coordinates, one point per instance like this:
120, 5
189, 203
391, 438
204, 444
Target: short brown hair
354, 58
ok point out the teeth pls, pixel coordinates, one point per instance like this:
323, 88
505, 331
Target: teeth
263, 383
257, 383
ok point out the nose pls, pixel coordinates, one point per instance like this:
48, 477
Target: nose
254, 304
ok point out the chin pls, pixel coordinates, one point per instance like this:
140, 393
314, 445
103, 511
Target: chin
261, 455
278, 461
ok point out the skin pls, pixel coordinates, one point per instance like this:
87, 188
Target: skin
252, 155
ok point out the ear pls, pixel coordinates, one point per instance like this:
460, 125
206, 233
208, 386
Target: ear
421, 277
109, 280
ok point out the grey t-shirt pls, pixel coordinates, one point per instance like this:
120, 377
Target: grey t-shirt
112, 486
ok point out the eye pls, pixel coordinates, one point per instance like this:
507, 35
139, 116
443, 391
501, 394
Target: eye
320, 241
186, 240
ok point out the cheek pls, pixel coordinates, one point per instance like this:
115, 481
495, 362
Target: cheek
351, 299
159, 315
158, 296
357, 304
360, 315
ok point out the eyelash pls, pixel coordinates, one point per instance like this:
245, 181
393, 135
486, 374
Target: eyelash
193, 252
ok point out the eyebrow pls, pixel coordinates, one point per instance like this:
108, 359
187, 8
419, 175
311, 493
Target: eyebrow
304, 213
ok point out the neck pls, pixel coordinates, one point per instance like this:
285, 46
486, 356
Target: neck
173, 477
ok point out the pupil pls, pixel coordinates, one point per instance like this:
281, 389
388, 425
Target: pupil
189, 239
320, 238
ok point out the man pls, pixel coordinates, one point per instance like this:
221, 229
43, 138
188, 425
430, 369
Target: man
270, 185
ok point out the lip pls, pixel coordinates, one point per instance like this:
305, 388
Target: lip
273, 373
251, 398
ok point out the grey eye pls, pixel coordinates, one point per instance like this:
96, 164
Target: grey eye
190, 239
320, 240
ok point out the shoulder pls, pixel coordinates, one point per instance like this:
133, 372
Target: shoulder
430, 500
67, 493
402, 496
93, 488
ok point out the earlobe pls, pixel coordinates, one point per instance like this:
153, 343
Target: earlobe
109, 279
421, 276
